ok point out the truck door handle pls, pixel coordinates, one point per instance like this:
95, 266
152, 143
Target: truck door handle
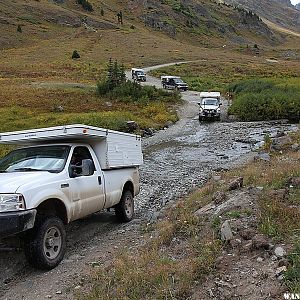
99, 180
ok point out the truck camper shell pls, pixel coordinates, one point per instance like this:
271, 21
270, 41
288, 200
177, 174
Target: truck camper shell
113, 149
210, 95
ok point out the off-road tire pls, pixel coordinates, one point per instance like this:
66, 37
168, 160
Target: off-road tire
124, 210
200, 119
45, 244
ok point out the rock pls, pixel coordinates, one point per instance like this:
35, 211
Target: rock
236, 184
294, 182
280, 278
295, 147
283, 262
205, 210
148, 131
241, 200
219, 197
281, 142
255, 274
226, 232
247, 247
279, 252
279, 133
58, 108
280, 271
216, 177
260, 242
59, 292
235, 243
109, 104
263, 156
273, 257
281, 194
77, 287
247, 233
131, 126
168, 124
259, 259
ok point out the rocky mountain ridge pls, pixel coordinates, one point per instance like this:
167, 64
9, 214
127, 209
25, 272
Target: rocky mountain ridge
280, 12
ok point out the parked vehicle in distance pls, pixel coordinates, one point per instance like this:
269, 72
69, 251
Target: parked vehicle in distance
61, 174
210, 106
174, 83
138, 74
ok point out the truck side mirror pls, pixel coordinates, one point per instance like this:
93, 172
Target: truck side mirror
220, 104
87, 167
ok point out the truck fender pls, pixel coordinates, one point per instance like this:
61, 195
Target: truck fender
55, 195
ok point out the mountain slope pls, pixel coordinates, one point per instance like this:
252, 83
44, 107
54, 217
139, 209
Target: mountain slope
203, 22
280, 12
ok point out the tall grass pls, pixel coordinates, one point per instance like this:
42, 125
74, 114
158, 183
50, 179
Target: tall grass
265, 99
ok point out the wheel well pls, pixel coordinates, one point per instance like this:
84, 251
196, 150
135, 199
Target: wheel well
128, 187
53, 207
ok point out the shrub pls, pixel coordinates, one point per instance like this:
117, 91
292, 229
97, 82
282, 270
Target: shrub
75, 55
19, 28
265, 100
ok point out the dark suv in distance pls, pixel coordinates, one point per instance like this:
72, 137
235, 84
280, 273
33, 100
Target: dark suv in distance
173, 83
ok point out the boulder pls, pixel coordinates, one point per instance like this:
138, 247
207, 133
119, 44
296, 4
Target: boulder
280, 143
226, 232
259, 241
219, 197
279, 252
294, 182
236, 184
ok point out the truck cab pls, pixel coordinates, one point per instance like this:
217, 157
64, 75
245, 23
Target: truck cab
59, 175
174, 83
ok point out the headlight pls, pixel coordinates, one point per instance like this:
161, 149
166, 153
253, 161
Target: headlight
11, 202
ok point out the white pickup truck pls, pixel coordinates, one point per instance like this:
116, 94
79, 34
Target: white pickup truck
61, 174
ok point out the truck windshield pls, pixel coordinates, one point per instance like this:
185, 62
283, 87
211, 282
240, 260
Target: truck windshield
40, 158
210, 101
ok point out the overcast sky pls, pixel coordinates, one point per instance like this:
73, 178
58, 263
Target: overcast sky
295, 1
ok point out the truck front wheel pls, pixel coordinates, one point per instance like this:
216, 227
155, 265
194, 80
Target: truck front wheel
45, 245
124, 210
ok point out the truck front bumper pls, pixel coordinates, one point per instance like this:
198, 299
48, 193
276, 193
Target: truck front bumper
16, 222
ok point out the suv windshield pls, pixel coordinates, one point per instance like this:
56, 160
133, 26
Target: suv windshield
41, 158
140, 73
210, 101
178, 80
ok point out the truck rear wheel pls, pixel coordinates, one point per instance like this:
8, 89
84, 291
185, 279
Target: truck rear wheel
124, 210
46, 244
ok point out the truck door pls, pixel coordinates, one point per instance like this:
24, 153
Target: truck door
87, 192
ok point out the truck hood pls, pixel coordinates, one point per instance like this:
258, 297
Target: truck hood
209, 106
11, 182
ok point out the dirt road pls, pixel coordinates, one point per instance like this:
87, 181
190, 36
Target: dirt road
177, 160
